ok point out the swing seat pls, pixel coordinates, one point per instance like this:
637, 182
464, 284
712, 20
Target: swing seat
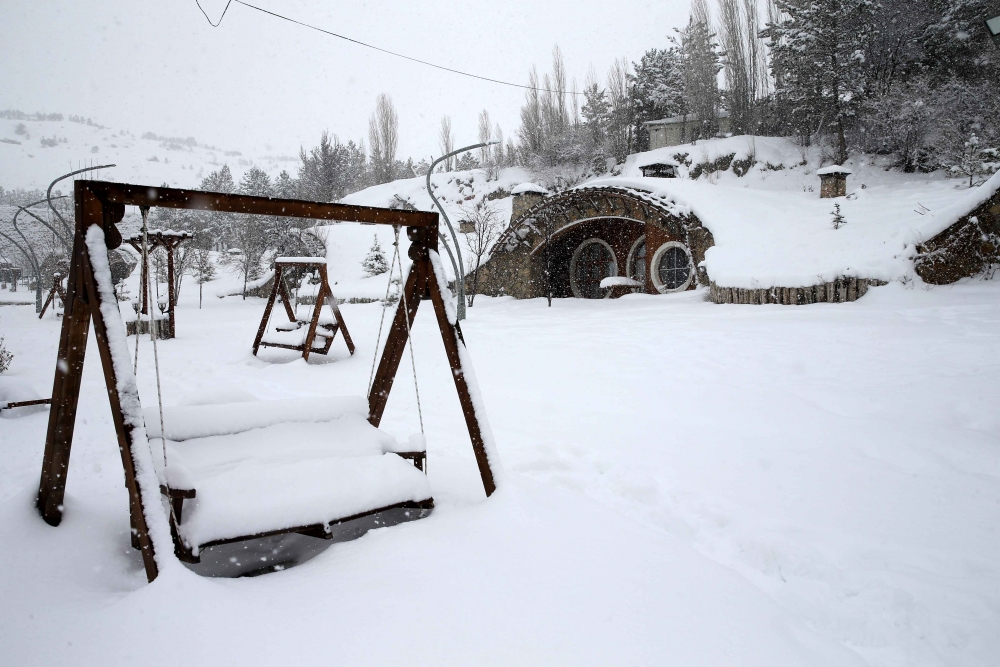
240, 471
292, 335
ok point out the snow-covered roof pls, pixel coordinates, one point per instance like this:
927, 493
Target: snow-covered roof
528, 187
673, 120
833, 169
786, 239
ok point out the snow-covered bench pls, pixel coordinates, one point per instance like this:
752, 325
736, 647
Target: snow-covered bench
241, 470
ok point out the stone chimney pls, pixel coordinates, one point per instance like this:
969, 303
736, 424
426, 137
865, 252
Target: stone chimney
833, 181
526, 195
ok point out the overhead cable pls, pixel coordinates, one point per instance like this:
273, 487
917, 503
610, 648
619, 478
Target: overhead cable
216, 24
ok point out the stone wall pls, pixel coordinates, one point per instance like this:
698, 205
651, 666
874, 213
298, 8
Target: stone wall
841, 290
969, 247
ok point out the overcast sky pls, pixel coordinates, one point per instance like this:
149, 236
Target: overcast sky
257, 83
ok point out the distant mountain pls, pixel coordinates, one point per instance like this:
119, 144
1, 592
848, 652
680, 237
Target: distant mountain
37, 148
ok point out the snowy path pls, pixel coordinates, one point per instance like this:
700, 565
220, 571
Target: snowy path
841, 463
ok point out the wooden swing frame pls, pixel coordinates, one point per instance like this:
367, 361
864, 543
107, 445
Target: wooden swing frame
55, 291
102, 204
324, 296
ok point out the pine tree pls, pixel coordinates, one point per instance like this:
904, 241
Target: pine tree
820, 46
5, 356
375, 263
657, 90
838, 219
701, 70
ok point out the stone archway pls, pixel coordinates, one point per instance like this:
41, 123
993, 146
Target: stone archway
533, 255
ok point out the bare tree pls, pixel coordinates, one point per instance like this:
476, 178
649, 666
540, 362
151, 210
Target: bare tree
619, 129
485, 220
532, 134
383, 136
491, 157
446, 142
745, 68
202, 268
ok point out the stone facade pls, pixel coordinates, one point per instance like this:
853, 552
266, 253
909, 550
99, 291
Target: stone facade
832, 185
969, 247
534, 255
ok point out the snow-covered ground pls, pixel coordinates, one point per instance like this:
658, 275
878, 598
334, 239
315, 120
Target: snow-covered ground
687, 483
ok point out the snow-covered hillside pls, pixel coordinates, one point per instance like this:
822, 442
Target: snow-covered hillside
34, 152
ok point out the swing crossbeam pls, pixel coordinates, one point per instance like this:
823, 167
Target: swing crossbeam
90, 300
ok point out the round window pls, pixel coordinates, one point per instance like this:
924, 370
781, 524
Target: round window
592, 262
672, 267
637, 261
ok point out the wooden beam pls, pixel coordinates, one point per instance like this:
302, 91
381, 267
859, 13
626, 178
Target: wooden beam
140, 195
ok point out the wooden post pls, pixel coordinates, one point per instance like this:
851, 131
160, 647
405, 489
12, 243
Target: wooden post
170, 245
267, 310
83, 305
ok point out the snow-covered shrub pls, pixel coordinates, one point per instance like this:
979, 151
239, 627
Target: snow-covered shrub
838, 218
375, 262
5, 356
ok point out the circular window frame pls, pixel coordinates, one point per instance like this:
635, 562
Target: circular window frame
573, 287
630, 262
654, 270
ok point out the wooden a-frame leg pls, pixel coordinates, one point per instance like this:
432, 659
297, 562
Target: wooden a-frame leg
65, 396
339, 318
48, 300
83, 304
267, 310
395, 343
451, 334
286, 299
314, 320
420, 284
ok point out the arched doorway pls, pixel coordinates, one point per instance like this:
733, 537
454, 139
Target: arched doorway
592, 261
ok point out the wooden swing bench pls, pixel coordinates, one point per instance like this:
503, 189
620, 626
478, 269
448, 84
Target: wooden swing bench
331, 465
238, 472
302, 334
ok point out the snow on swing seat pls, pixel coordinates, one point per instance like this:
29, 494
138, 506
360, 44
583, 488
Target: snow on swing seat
268, 466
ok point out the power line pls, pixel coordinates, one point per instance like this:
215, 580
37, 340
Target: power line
377, 48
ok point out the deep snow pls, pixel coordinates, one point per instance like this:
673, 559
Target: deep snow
688, 483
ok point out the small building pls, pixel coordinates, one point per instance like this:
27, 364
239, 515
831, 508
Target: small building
678, 130
833, 181
659, 170
525, 196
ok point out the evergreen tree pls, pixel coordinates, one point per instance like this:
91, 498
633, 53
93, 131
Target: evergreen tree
701, 70
285, 187
838, 218
821, 45
220, 180
375, 262
657, 90
252, 234
595, 111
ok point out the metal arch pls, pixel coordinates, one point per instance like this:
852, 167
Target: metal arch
458, 266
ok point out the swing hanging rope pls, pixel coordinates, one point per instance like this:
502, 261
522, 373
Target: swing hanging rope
152, 334
396, 259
